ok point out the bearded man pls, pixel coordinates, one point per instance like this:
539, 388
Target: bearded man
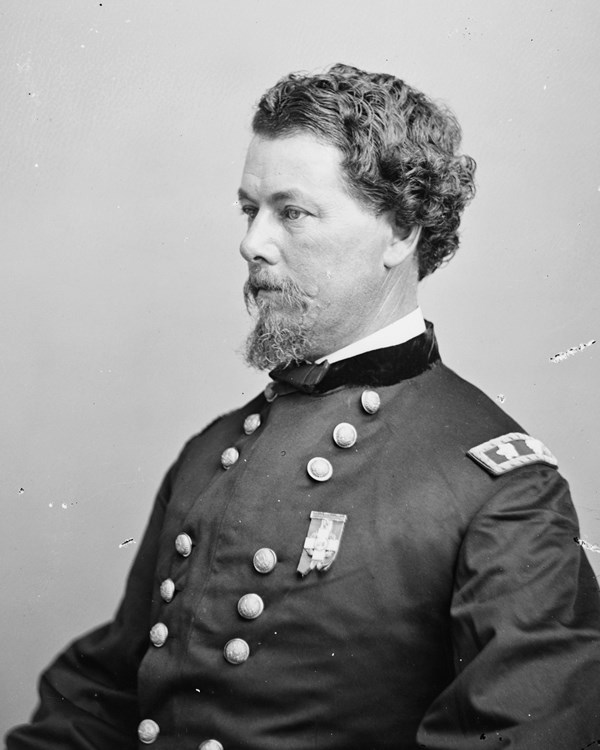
369, 554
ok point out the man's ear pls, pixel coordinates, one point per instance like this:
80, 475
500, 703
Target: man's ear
403, 242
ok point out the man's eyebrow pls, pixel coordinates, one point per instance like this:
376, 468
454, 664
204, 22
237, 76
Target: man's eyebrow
280, 195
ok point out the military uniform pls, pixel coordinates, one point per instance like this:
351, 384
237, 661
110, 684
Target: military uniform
439, 603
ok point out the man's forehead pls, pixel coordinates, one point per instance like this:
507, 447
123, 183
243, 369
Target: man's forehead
288, 166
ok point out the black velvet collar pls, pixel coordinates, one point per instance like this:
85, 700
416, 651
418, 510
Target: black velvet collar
375, 368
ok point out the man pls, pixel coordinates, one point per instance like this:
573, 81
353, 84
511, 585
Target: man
370, 554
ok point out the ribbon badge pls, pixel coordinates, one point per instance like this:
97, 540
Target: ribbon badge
323, 541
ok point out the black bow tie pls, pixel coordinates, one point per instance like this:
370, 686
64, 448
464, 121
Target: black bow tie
304, 377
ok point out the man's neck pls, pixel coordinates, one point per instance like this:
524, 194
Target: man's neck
401, 330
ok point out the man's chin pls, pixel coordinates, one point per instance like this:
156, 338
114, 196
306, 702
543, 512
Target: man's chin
276, 341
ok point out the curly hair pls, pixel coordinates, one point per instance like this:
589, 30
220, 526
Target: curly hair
399, 148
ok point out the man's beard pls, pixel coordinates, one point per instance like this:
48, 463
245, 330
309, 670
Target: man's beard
281, 335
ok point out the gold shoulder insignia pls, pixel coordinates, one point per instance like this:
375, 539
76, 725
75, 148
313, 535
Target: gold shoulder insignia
507, 452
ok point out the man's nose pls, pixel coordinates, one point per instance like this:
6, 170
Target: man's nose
260, 243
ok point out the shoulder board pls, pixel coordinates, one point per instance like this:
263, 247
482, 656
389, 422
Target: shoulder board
508, 452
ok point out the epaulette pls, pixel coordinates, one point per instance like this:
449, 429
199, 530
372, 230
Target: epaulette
507, 452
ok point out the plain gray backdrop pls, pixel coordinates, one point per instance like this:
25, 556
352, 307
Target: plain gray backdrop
124, 126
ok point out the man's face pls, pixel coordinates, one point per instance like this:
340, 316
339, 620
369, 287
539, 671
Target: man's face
316, 257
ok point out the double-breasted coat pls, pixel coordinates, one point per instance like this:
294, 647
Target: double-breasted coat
438, 605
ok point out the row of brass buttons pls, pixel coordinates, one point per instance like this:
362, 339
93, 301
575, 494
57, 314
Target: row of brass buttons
250, 606
148, 729
344, 436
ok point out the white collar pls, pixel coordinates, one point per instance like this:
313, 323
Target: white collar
395, 333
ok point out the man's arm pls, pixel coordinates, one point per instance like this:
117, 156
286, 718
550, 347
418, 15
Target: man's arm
525, 628
88, 696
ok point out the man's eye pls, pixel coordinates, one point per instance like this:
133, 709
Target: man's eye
249, 211
293, 214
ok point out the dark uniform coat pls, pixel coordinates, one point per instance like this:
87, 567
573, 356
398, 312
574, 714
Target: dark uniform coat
457, 610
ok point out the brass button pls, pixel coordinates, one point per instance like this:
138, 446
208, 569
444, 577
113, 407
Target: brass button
236, 651
344, 435
148, 731
270, 392
264, 560
251, 423
319, 469
370, 401
159, 634
211, 745
229, 457
167, 589
251, 606
183, 545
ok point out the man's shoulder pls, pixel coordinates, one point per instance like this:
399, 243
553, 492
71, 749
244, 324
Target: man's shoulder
458, 427
443, 402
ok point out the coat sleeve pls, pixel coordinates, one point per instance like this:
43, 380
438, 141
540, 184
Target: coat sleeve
525, 620
88, 696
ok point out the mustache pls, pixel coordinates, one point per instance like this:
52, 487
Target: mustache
291, 292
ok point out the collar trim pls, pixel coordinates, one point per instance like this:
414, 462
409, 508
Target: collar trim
378, 367
398, 332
